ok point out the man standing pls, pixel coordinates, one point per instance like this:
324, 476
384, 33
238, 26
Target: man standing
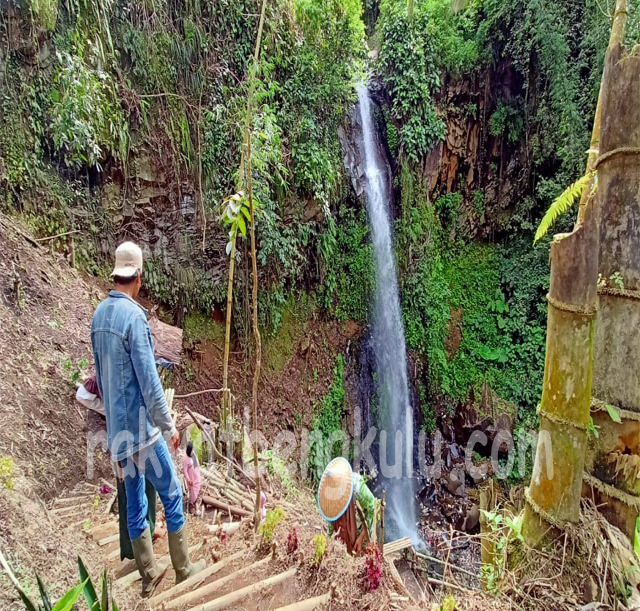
138, 418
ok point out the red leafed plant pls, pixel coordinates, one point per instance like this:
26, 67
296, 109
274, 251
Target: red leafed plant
373, 564
292, 541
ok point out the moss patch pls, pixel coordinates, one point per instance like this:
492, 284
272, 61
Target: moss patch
199, 327
277, 349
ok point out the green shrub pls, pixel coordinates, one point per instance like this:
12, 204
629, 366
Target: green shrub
327, 419
319, 547
6, 472
350, 277
271, 521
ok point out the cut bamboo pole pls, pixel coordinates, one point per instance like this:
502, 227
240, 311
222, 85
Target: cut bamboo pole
207, 500
397, 546
210, 588
63, 511
442, 562
94, 531
109, 539
69, 500
307, 605
398, 580
128, 579
196, 580
229, 599
446, 584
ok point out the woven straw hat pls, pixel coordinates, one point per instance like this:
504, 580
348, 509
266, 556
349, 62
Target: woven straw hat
336, 489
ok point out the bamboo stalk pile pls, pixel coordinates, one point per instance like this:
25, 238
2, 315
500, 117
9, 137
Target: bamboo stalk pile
225, 493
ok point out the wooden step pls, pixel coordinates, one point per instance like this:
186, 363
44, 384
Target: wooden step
217, 604
109, 539
64, 501
193, 582
211, 587
307, 605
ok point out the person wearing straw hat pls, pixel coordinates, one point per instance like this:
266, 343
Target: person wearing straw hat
339, 491
139, 421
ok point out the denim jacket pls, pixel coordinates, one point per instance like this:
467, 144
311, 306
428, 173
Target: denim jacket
134, 402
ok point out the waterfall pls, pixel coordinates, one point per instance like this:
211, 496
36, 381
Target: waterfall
395, 415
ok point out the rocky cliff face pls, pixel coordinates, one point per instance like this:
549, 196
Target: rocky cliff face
486, 161
490, 170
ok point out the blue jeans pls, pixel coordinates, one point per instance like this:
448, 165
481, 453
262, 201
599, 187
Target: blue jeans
154, 464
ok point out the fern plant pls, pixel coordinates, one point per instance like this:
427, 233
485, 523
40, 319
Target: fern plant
563, 203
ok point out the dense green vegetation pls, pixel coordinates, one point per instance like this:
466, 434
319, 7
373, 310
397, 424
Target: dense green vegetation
325, 440
119, 89
98, 100
475, 312
488, 296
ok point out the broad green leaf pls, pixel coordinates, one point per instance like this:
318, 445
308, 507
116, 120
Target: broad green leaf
613, 413
69, 599
89, 591
242, 226
105, 592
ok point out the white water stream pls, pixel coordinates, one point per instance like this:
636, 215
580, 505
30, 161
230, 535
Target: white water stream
395, 415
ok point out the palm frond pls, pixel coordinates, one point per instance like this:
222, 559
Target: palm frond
562, 204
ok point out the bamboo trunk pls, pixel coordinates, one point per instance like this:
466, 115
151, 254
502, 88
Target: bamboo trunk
553, 496
613, 462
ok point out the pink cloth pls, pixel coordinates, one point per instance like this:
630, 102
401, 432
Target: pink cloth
192, 477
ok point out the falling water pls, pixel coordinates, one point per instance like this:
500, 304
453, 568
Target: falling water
395, 413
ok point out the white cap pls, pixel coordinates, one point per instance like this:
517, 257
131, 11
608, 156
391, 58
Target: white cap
128, 260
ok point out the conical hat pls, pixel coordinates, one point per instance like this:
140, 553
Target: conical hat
336, 489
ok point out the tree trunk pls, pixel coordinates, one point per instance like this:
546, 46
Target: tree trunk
553, 496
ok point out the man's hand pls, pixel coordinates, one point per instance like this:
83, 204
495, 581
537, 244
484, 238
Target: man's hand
174, 442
